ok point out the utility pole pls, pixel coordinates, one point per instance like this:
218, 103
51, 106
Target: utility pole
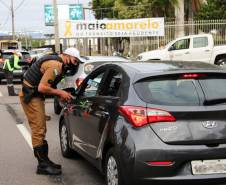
56, 28
13, 25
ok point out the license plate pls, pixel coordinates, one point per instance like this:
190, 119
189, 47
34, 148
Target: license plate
208, 166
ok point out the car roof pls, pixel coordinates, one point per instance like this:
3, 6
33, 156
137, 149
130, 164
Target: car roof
105, 59
162, 66
12, 51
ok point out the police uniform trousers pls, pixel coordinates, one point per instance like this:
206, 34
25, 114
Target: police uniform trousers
35, 112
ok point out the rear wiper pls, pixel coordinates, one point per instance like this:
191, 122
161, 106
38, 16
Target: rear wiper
214, 101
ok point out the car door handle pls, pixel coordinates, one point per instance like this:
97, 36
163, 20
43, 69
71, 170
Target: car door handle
207, 50
187, 53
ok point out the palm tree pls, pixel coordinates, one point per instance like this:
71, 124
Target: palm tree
193, 6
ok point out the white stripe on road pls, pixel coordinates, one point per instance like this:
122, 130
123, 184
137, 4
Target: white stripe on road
26, 134
1, 94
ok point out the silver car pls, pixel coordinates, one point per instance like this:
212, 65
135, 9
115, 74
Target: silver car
87, 64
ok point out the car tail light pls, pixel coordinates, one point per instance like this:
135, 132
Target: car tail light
193, 75
140, 116
160, 163
78, 81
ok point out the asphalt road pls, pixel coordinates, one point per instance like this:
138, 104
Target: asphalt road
17, 164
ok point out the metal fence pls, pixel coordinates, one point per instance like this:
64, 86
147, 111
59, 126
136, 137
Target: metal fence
135, 45
216, 27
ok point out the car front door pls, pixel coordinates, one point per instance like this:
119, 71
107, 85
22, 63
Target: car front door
180, 50
97, 101
83, 117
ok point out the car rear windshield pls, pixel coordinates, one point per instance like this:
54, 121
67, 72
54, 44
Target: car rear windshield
25, 55
182, 90
7, 55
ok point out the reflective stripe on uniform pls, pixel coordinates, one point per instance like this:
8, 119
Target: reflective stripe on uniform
16, 61
7, 65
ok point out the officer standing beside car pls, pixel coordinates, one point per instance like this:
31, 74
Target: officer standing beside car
40, 80
9, 66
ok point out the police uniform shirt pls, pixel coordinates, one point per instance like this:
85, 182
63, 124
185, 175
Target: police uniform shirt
50, 70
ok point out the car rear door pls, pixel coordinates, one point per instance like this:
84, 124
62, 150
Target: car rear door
201, 49
187, 108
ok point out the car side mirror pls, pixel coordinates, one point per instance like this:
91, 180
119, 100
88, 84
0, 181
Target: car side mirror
171, 48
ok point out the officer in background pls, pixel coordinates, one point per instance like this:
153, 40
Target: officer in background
39, 80
10, 65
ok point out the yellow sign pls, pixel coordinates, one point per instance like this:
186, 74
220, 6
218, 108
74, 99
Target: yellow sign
112, 28
68, 30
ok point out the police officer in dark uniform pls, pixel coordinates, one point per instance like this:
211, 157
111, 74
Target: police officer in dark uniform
41, 79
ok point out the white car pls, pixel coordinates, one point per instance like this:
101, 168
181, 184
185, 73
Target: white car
86, 65
38, 52
189, 48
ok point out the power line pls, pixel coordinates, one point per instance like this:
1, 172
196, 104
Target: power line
3, 3
6, 20
21, 3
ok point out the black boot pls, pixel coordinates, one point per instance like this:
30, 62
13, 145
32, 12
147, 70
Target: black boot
44, 167
11, 91
46, 150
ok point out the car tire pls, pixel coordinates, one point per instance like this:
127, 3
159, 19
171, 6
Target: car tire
57, 107
113, 170
64, 140
221, 62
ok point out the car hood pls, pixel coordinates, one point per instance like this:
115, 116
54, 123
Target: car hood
151, 55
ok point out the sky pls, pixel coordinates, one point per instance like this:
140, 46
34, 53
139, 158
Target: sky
30, 15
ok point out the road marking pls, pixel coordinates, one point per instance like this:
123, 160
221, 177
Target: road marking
1, 94
26, 134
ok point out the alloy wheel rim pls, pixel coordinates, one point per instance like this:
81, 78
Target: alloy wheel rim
64, 138
112, 171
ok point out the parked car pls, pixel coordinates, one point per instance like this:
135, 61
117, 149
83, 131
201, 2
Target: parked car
189, 48
6, 54
147, 122
38, 52
87, 64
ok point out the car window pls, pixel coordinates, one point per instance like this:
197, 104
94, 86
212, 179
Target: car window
182, 91
92, 85
181, 44
25, 55
6, 55
112, 83
169, 92
214, 88
200, 42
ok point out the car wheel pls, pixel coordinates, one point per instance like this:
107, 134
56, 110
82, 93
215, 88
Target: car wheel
57, 107
64, 141
112, 169
221, 62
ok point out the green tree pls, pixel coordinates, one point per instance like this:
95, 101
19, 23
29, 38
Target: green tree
102, 8
214, 9
125, 9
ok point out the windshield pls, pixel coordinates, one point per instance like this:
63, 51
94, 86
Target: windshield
183, 91
6, 55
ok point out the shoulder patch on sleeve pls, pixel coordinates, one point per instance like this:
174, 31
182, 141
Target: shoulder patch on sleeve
50, 81
55, 72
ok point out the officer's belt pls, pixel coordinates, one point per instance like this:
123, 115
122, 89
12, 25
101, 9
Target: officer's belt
30, 92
